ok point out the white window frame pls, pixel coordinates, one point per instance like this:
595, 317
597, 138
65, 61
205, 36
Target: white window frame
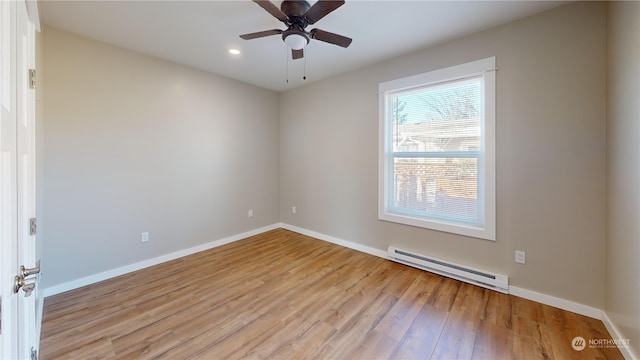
484, 68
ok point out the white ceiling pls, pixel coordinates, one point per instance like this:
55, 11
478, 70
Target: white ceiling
200, 33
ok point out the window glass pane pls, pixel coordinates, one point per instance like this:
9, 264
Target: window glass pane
446, 188
439, 118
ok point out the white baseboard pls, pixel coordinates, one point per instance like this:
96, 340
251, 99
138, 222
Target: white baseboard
627, 352
556, 302
74, 284
348, 244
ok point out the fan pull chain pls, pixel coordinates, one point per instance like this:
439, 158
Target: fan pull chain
304, 75
286, 60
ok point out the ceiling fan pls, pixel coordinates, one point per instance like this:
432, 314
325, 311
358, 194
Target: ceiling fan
297, 15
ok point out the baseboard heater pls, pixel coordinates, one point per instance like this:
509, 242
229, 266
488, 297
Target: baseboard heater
467, 274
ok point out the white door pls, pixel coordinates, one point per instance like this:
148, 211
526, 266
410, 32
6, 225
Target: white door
26, 180
17, 182
8, 185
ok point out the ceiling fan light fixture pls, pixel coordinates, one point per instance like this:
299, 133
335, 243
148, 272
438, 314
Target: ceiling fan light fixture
296, 41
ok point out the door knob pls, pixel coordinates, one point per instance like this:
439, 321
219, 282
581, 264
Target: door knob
19, 283
27, 272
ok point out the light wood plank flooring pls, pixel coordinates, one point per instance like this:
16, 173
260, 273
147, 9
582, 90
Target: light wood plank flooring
282, 295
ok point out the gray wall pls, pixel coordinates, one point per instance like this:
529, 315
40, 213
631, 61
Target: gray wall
623, 170
135, 144
550, 153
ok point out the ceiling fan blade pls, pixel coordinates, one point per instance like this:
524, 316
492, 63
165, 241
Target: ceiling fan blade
260, 34
321, 9
297, 54
272, 9
331, 38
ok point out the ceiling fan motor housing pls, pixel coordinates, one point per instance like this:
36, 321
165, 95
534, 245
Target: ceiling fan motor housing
293, 8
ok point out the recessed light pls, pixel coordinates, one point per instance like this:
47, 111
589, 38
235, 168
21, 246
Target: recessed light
234, 51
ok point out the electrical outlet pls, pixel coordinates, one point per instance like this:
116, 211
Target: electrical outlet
144, 237
520, 257
293, 210
250, 213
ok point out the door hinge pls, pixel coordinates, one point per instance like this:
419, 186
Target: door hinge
33, 226
32, 78
34, 354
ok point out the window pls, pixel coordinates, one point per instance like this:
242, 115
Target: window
437, 150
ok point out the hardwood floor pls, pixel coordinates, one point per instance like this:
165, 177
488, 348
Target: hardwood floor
282, 295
